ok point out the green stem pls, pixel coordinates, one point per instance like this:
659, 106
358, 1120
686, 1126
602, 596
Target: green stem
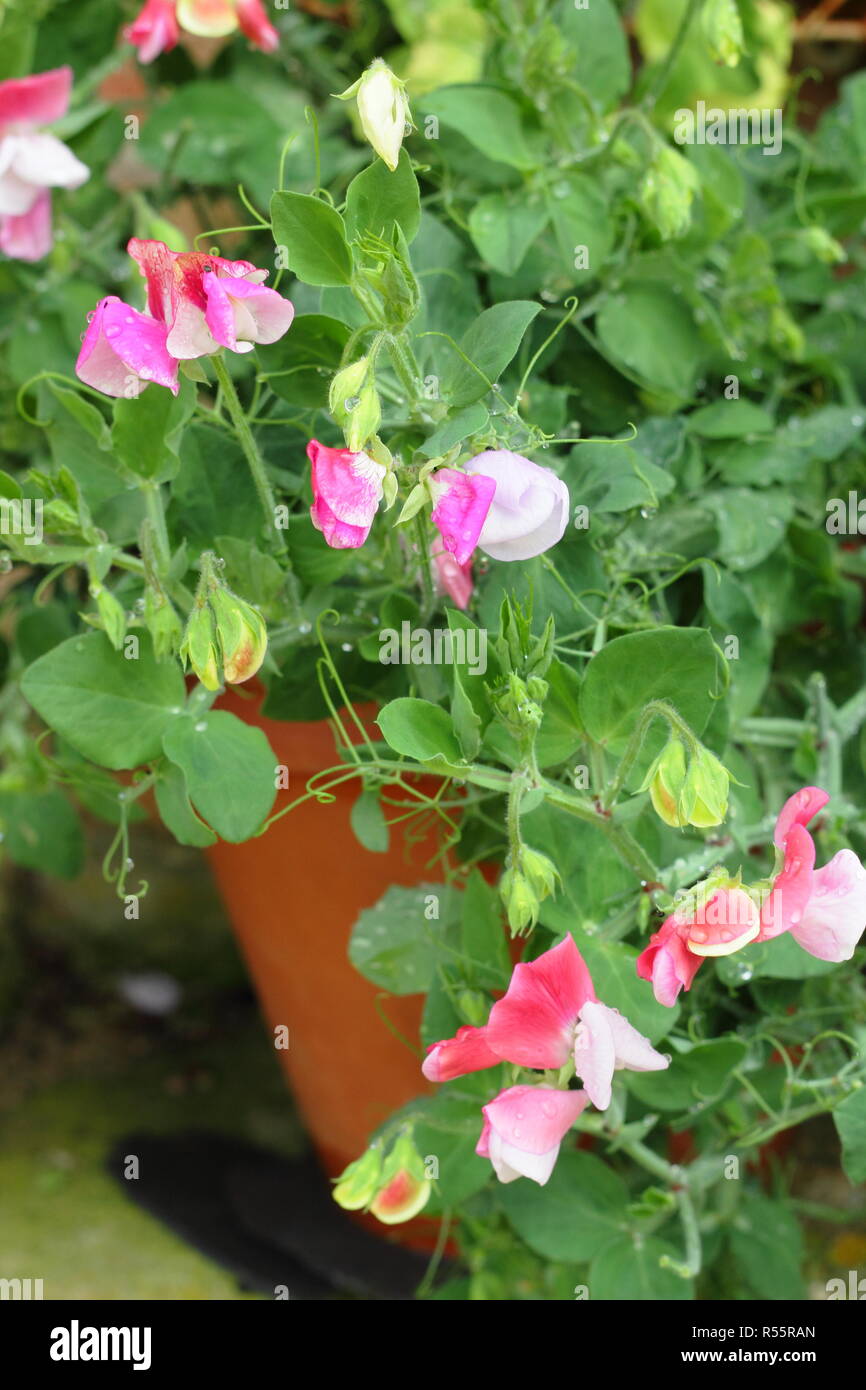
656, 709
156, 517
659, 81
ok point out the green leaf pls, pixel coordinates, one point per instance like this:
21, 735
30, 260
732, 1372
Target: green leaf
84, 412
629, 1270
299, 365
612, 967
399, 941
488, 965
681, 665
314, 238
113, 710
579, 1211
850, 1120
466, 722
729, 420
453, 430
368, 822
595, 35
503, 226
649, 329
768, 1246
448, 1130
487, 118
614, 477
489, 345
146, 429
176, 811
229, 771
751, 524
377, 199
420, 730
695, 1077
561, 732
41, 831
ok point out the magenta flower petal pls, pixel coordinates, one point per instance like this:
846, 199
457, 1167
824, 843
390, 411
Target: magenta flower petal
461, 507
254, 23
347, 489
524, 1127
786, 902
668, 963
123, 351
36, 100
449, 577
468, 1051
154, 30
533, 1025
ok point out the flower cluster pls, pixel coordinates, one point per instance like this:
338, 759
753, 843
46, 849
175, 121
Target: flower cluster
32, 161
196, 304
548, 1020
823, 909
158, 26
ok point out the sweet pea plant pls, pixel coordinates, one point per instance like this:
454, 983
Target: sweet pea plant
542, 429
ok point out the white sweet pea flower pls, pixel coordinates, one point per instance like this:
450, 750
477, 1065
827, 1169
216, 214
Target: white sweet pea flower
383, 108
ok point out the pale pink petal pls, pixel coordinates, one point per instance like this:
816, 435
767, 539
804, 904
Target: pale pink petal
533, 1025
462, 502
798, 810
606, 1042
524, 1127
347, 489
468, 1051
729, 920
259, 315
219, 314
189, 335
835, 915
449, 577
28, 237
154, 30
36, 100
529, 510
254, 23
124, 350
45, 162
785, 904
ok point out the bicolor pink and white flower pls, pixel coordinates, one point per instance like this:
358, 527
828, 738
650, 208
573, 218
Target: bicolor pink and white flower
524, 1128
124, 350
208, 302
158, 26
504, 504
548, 1019
32, 161
823, 909
347, 490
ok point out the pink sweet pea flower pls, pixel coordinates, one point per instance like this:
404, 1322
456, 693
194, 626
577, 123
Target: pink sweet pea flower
158, 26
550, 1016
824, 909
524, 1127
155, 30
461, 505
449, 577
347, 489
31, 161
123, 351
728, 920
207, 302
529, 510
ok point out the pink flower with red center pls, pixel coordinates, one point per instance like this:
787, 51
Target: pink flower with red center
548, 1019
33, 161
123, 351
158, 25
824, 909
207, 302
347, 490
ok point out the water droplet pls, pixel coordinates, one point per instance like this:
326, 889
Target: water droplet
351, 403
345, 646
305, 628
200, 726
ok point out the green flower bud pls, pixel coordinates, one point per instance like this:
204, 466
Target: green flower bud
199, 646
520, 714
824, 246
520, 901
705, 792
242, 634
383, 110
786, 336
667, 191
358, 1184
723, 30
541, 872
473, 1006
404, 1186
111, 613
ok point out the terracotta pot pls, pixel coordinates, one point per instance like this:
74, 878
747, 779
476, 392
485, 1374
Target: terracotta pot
294, 895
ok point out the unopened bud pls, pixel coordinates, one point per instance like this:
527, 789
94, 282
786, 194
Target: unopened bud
405, 1189
199, 646
242, 634
823, 246
163, 624
723, 30
383, 110
667, 192
358, 1184
520, 901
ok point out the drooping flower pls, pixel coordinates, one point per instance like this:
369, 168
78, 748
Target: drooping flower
824, 909
32, 161
449, 577
207, 302
158, 25
529, 510
347, 490
123, 351
461, 503
524, 1127
549, 1016
383, 110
